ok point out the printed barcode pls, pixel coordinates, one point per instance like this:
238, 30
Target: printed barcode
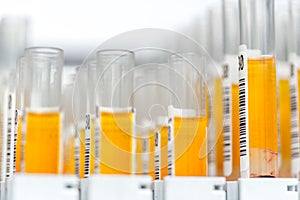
227, 123
157, 156
87, 145
77, 155
294, 122
10, 139
170, 150
15, 139
242, 114
87, 157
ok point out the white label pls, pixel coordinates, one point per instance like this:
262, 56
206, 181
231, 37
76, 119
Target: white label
10, 156
171, 151
17, 114
227, 123
294, 121
243, 114
157, 155
87, 145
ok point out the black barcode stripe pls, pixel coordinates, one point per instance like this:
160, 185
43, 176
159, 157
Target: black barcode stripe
243, 117
87, 157
15, 139
77, 156
8, 147
170, 149
227, 123
157, 156
294, 122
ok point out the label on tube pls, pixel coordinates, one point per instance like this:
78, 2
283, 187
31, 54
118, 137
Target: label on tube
87, 145
294, 120
243, 113
157, 152
227, 100
10, 151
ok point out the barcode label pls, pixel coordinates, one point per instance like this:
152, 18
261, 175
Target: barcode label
227, 120
294, 121
243, 114
171, 167
87, 145
77, 155
157, 156
10, 157
15, 138
97, 145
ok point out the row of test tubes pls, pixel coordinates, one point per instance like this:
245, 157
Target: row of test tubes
180, 117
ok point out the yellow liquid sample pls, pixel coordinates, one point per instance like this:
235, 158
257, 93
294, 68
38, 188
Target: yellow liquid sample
235, 135
19, 145
218, 121
82, 151
163, 152
190, 146
69, 158
116, 143
42, 146
262, 117
285, 128
151, 139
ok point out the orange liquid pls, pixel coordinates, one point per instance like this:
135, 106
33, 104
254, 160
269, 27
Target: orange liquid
218, 121
42, 146
69, 158
151, 139
116, 143
163, 152
285, 128
262, 117
82, 151
190, 146
235, 135
19, 145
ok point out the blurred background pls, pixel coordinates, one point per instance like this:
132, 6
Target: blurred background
79, 27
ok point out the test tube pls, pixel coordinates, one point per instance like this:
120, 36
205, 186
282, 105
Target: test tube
152, 80
69, 133
83, 125
43, 142
257, 90
20, 92
231, 142
95, 129
187, 117
294, 59
116, 111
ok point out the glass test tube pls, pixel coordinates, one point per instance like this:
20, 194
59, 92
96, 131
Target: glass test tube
257, 90
231, 142
294, 59
151, 80
187, 113
43, 142
20, 92
93, 109
68, 125
83, 126
117, 115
